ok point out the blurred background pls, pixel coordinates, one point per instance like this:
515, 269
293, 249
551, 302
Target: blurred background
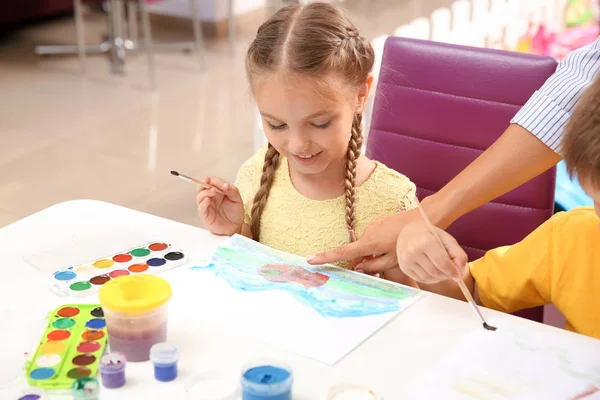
87, 112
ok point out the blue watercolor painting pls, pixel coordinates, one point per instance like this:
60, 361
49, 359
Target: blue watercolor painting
331, 291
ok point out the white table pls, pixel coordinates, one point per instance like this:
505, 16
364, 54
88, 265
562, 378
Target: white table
388, 362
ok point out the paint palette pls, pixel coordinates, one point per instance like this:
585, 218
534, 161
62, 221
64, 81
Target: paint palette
87, 278
71, 347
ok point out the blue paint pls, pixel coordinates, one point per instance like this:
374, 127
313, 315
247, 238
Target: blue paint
165, 372
164, 356
42, 373
267, 382
96, 323
156, 262
65, 275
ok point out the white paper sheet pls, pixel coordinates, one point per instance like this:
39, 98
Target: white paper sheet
515, 363
320, 312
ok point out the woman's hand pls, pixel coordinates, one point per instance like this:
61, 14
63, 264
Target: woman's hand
422, 257
222, 214
379, 239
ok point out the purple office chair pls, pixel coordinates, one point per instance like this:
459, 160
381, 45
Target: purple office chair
437, 108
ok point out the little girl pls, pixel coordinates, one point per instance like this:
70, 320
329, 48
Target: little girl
311, 189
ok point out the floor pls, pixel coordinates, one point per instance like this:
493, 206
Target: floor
100, 136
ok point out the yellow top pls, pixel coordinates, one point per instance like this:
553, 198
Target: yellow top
135, 294
558, 263
294, 223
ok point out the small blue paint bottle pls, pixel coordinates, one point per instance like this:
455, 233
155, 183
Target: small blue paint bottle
267, 380
164, 356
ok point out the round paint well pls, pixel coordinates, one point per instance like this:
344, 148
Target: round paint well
79, 372
88, 347
156, 262
84, 359
63, 323
84, 269
121, 258
118, 273
32, 394
91, 335
98, 312
65, 275
104, 263
158, 246
174, 256
53, 347
47, 360
68, 312
80, 286
137, 268
96, 323
100, 280
41, 374
58, 335
141, 252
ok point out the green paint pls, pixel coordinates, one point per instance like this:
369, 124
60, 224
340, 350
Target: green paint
63, 323
79, 286
367, 291
141, 252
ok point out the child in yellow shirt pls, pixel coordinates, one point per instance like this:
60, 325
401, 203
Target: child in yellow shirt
559, 262
311, 188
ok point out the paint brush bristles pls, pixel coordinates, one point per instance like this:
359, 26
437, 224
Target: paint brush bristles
196, 181
460, 282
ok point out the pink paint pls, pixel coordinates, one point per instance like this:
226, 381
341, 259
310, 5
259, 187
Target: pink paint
293, 273
136, 345
119, 272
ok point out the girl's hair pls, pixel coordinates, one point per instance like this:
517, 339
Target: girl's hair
313, 40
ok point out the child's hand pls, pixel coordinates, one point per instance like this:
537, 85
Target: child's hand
222, 214
421, 257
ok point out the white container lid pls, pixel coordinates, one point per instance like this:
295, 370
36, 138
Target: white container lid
348, 391
164, 354
211, 386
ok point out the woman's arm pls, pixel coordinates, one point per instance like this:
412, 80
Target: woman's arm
527, 148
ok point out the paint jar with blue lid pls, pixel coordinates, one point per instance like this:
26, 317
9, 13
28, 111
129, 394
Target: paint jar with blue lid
267, 380
165, 357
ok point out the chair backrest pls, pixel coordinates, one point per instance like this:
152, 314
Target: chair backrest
438, 107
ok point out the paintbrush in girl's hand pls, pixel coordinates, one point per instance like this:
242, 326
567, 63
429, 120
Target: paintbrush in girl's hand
460, 282
196, 181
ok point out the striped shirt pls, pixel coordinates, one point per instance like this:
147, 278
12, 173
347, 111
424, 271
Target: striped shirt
548, 110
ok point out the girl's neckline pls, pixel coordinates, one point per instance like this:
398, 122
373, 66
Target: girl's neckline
288, 181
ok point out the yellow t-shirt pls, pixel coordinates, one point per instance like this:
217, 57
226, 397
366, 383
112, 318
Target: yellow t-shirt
558, 263
294, 223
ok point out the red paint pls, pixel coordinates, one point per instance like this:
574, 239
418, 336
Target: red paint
58, 335
100, 280
84, 359
68, 312
92, 334
293, 273
121, 258
138, 267
158, 246
88, 347
118, 273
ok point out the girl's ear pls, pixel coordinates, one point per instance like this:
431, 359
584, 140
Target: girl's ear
363, 94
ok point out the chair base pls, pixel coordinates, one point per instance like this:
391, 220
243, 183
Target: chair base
117, 50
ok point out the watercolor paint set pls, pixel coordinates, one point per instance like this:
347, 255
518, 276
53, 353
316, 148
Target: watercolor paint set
70, 348
87, 278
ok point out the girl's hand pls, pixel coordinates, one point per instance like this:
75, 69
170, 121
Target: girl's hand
222, 214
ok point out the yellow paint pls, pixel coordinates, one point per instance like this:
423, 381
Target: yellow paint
104, 263
53, 347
